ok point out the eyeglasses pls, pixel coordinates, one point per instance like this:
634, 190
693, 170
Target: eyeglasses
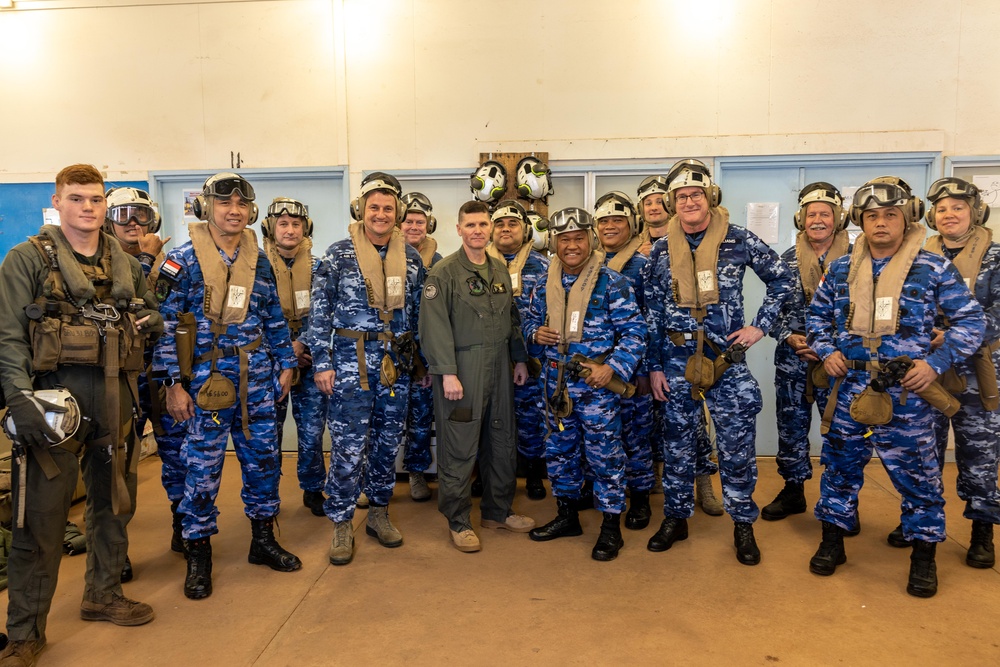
123, 215
694, 197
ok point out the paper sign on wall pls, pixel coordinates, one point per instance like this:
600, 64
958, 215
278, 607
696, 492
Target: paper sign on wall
762, 220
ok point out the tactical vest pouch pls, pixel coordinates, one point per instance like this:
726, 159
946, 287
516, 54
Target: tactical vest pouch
872, 407
952, 382
46, 343
820, 378
534, 368
81, 344
700, 371
218, 393
132, 346
986, 376
388, 373
185, 335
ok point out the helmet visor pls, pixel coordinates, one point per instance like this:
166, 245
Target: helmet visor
141, 214
416, 201
652, 185
288, 207
951, 187
227, 186
570, 220
880, 195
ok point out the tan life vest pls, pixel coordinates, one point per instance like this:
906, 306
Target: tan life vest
294, 283
810, 270
514, 267
427, 247
230, 303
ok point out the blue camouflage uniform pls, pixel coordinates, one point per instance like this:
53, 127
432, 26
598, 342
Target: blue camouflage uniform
977, 431
793, 409
528, 399
204, 446
417, 448
735, 399
906, 444
637, 412
309, 408
614, 326
366, 427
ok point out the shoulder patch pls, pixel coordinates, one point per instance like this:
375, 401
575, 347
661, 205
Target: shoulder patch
162, 291
170, 270
430, 291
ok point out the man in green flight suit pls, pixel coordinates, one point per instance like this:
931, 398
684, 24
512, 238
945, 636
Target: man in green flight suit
470, 332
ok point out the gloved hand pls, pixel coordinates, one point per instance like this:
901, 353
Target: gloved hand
28, 414
153, 326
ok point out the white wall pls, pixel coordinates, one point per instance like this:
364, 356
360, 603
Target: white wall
421, 84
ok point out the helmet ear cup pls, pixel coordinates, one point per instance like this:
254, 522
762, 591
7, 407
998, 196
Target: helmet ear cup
432, 224
254, 212
200, 207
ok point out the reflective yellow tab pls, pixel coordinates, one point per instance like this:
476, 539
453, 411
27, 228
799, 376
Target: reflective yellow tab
215, 418
869, 433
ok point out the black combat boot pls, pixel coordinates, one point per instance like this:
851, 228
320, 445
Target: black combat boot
746, 546
586, 500
533, 479
610, 540
981, 548
831, 551
566, 523
923, 570
856, 527
896, 539
790, 500
198, 583
671, 530
265, 550
639, 512
177, 538
127, 573
314, 501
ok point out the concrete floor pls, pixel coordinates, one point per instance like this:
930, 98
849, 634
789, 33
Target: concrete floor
520, 602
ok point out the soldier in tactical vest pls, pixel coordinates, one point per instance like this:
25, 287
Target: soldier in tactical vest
75, 313
512, 244
415, 227
470, 334
697, 340
799, 378
220, 302
366, 293
288, 243
133, 219
586, 325
654, 212
958, 213
871, 321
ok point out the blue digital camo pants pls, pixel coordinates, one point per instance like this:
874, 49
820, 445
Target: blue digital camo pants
637, 427
733, 402
204, 450
593, 429
417, 454
794, 414
530, 416
977, 448
908, 450
366, 428
309, 408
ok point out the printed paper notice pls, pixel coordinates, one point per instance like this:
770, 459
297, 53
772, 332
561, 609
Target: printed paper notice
189, 196
762, 220
50, 216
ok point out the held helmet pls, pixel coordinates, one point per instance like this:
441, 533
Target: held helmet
691, 173
286, 206
126, 204
959, 189
63, 423
617, 203
883, 192
489, 182
378, 181
539, 230
224, 185
534, 179
509, 208
418, 202
821, 192
570, 220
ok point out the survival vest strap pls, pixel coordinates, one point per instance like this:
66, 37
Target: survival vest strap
242, 352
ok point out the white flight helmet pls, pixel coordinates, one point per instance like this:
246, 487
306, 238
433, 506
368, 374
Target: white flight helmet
63, 423
539, 230
489, 182
125, 204
534, 179
615, 203
420, 203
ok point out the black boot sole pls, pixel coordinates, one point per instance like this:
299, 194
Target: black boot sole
824, 569
920, 592
778, 516
978, 564
197, 595
658, 548
277, 567
546, 537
